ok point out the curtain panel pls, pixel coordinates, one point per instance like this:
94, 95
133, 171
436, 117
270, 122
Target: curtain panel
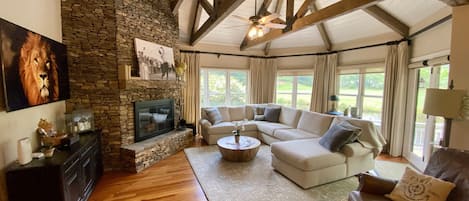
324, 84
263, 75
191, 91
394, 99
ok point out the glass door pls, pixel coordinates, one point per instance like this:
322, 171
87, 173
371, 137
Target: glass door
425, 131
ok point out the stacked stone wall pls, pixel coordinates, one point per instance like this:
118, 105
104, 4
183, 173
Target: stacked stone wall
100, 39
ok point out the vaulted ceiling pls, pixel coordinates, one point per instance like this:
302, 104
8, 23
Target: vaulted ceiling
311, 24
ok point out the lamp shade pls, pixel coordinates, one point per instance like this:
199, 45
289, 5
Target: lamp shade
446, 103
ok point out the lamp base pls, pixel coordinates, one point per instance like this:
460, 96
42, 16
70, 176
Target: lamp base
447, 132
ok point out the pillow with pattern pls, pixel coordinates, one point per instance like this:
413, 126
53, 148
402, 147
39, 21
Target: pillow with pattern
414, 186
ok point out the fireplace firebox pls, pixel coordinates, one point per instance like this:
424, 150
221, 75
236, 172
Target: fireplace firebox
153, 118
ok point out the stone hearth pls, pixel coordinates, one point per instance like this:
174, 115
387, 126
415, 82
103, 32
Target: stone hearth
138, 156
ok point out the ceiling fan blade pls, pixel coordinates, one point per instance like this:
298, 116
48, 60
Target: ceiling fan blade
242, 18
275, 26
268, 18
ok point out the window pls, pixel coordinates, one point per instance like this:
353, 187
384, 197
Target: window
223, 87
362, 88
426, 130
294, 89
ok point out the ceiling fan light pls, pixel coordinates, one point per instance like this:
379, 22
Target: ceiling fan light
252, 32
260, 32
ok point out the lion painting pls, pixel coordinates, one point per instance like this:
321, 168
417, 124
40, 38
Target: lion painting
38, 70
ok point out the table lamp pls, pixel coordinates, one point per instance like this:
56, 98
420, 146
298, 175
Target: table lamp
446, 103
333, 99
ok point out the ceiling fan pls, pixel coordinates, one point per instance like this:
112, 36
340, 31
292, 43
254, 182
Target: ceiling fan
260, 23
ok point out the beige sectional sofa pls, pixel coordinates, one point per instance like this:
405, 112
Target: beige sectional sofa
294, 140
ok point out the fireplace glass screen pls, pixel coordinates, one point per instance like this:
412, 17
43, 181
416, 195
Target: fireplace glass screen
153, 118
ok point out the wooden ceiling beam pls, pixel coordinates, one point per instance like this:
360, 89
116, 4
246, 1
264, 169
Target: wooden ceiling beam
387, 19
207, 7
222, 9
455, 3
290, 12
322, 30
175, 5
332, 11
263, 9
303, 9
278, 7
196, 17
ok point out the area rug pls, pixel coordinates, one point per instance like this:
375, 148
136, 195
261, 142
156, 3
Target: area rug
256, 180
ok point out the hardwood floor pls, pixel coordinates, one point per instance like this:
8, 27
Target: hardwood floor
170, 179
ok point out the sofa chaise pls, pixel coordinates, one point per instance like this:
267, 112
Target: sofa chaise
294, 139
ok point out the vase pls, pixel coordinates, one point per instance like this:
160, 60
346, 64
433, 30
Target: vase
237, 138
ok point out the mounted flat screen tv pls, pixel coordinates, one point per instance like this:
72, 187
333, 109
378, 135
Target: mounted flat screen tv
34, 68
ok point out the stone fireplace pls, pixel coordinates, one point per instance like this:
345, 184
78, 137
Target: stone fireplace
100, 39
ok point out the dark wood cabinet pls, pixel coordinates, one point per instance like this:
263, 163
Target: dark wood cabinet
70, 175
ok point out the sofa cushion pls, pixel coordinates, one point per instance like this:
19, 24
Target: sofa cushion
213, 115
289, 116
337, 136
272, 114
225, 114
416, 186
269, 128
306, 154
315, 123
249, 126
293, 134
237, 113
221, 128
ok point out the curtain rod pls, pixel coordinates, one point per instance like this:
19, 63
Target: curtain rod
297, 55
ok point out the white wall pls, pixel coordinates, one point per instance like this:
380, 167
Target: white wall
42, 17
459, 71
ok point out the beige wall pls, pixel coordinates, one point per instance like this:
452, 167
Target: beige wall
460, 71
42, 17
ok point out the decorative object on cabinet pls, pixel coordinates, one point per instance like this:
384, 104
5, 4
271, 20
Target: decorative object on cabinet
31, 81
79, 121
24, 151
69, 175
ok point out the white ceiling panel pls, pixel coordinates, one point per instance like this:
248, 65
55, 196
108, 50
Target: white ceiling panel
304, 38
352, 26
411, 12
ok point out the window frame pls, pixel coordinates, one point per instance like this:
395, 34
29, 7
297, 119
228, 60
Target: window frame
360, 96
204, 72
294, 93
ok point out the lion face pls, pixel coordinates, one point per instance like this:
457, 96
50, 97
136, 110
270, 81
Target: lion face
38, 71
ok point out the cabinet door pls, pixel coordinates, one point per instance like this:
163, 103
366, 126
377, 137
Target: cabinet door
88, 166
73, 184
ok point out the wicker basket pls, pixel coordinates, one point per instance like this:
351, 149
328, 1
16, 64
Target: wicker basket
53, 141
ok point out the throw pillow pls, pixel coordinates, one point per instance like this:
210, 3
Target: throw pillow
213, 115
259, 117
259, 110
414, 186
272, 114
336, 137
357, 130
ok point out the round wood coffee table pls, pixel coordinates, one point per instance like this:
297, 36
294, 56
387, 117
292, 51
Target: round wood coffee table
243, 151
